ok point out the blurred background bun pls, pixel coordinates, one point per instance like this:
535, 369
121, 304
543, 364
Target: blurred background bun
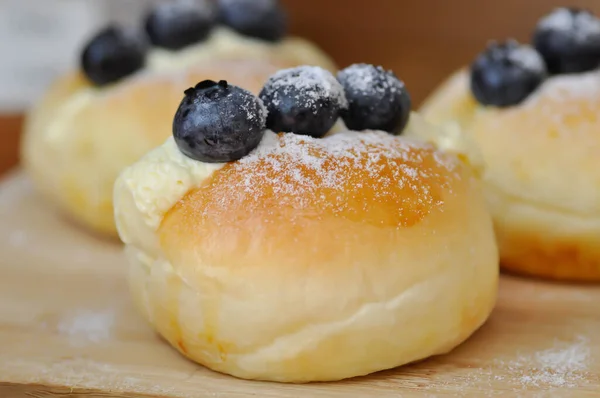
423, 41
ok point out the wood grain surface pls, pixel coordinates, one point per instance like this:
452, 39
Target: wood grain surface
68, 328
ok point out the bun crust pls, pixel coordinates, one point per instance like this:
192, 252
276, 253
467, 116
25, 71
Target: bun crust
78, 138
542, 173
317, 260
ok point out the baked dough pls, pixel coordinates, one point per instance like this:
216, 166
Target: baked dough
79, 137
310, 259
542, 171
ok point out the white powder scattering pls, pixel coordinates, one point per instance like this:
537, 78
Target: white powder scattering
370, 80
528, 57
564, 89
563, 365
344, 174
560, 366
580, 25
311, 84
88, 326
250, 105
545, 373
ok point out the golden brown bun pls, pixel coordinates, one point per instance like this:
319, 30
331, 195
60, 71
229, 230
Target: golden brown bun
78, 138
309, 264
542, 171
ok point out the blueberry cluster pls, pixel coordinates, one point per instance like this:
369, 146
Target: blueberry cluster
217, 122
566, 41
117, 52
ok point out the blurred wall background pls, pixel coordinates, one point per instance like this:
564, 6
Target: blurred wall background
422, 40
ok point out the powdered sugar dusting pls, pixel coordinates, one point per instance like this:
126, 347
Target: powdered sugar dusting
560, 366
582, 25
366, 78
249, 106
348, 174
528, 58
315, 83
566, 88
88, 326
564, 366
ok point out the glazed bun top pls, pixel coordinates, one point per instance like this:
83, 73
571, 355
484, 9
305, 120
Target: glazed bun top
534, 115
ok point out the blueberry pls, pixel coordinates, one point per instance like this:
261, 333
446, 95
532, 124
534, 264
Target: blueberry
113, 54
178, 24
305, 100
377, 99
261, 19
218, 122
569, 40
506, 73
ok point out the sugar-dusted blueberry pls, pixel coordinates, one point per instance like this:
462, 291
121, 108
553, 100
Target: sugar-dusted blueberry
506, 73
305, 100
217, 122
178, 24
569, 40
377, 99
261, 19
113, 54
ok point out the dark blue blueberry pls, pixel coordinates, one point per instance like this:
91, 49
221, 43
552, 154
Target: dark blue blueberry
178, 24
218, 122
569, 40
305, 100
506, 73
377, 99
261, 19
111, 55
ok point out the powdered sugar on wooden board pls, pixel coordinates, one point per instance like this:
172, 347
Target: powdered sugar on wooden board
564, 366
87, 326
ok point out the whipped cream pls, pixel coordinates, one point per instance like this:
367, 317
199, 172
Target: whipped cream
163, 177
222, 43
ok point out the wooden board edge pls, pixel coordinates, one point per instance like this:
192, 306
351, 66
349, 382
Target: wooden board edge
15, 390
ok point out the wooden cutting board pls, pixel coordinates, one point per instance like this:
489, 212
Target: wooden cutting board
67, 328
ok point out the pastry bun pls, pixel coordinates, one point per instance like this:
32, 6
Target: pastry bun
310, 259
120, 104
78, 137
541, 173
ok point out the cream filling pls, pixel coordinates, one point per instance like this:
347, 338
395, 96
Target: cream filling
222, 43
161, 178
